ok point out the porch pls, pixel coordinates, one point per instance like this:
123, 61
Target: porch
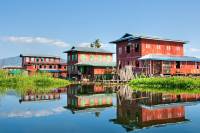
170, 65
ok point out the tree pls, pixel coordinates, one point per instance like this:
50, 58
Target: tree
92, 45
96, 44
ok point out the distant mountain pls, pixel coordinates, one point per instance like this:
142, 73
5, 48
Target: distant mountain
15, 61
11, 61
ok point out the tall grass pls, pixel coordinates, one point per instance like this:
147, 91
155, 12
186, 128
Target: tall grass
22, 82
187, 84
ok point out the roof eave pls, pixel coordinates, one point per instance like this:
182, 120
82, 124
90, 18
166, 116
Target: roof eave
45, 56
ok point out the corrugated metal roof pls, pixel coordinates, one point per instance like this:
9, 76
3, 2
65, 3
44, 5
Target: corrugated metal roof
38, 55
169, 58
97, 64
130, 37
88, 49
51, 70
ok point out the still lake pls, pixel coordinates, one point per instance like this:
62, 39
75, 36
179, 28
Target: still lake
99, 109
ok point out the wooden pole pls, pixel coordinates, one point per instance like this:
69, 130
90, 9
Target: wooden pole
150, 67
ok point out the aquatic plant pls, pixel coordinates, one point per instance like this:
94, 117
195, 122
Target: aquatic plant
22, 82
167, 82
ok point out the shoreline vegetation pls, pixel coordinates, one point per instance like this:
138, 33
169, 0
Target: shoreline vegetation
167, 84
41, 82
44, 82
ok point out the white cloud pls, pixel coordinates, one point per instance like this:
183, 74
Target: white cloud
31, 113
194, 49
34, 40
84, 44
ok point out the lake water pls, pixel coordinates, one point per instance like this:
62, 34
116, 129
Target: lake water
99, 109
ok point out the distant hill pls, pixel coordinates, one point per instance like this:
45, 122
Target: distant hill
15, 61
11, 61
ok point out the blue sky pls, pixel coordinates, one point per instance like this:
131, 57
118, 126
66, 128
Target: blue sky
53, 26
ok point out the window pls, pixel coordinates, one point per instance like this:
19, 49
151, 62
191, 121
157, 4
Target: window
178, 64
47, 59
128, 49
197, 65
148, 46
32, 59
91, 57
42, 59
137, 47
74, 57
100, 57
52, 59
120, 50
40, 66
27, 59
168, 48
50, 67
37, 59
158, 46
83, 57
178, 48
108, 58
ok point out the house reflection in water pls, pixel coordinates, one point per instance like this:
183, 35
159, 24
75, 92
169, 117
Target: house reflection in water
30, 96
137, 109
89, 98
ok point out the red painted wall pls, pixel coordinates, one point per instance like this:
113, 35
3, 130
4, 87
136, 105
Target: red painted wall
146, 46
161, 47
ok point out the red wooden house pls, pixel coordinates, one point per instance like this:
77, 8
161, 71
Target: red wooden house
152, 55
47, 63
89, 62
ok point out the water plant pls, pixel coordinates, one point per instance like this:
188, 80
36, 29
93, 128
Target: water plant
22, 82
173, 84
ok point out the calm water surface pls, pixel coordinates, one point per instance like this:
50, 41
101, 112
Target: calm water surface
99, 109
